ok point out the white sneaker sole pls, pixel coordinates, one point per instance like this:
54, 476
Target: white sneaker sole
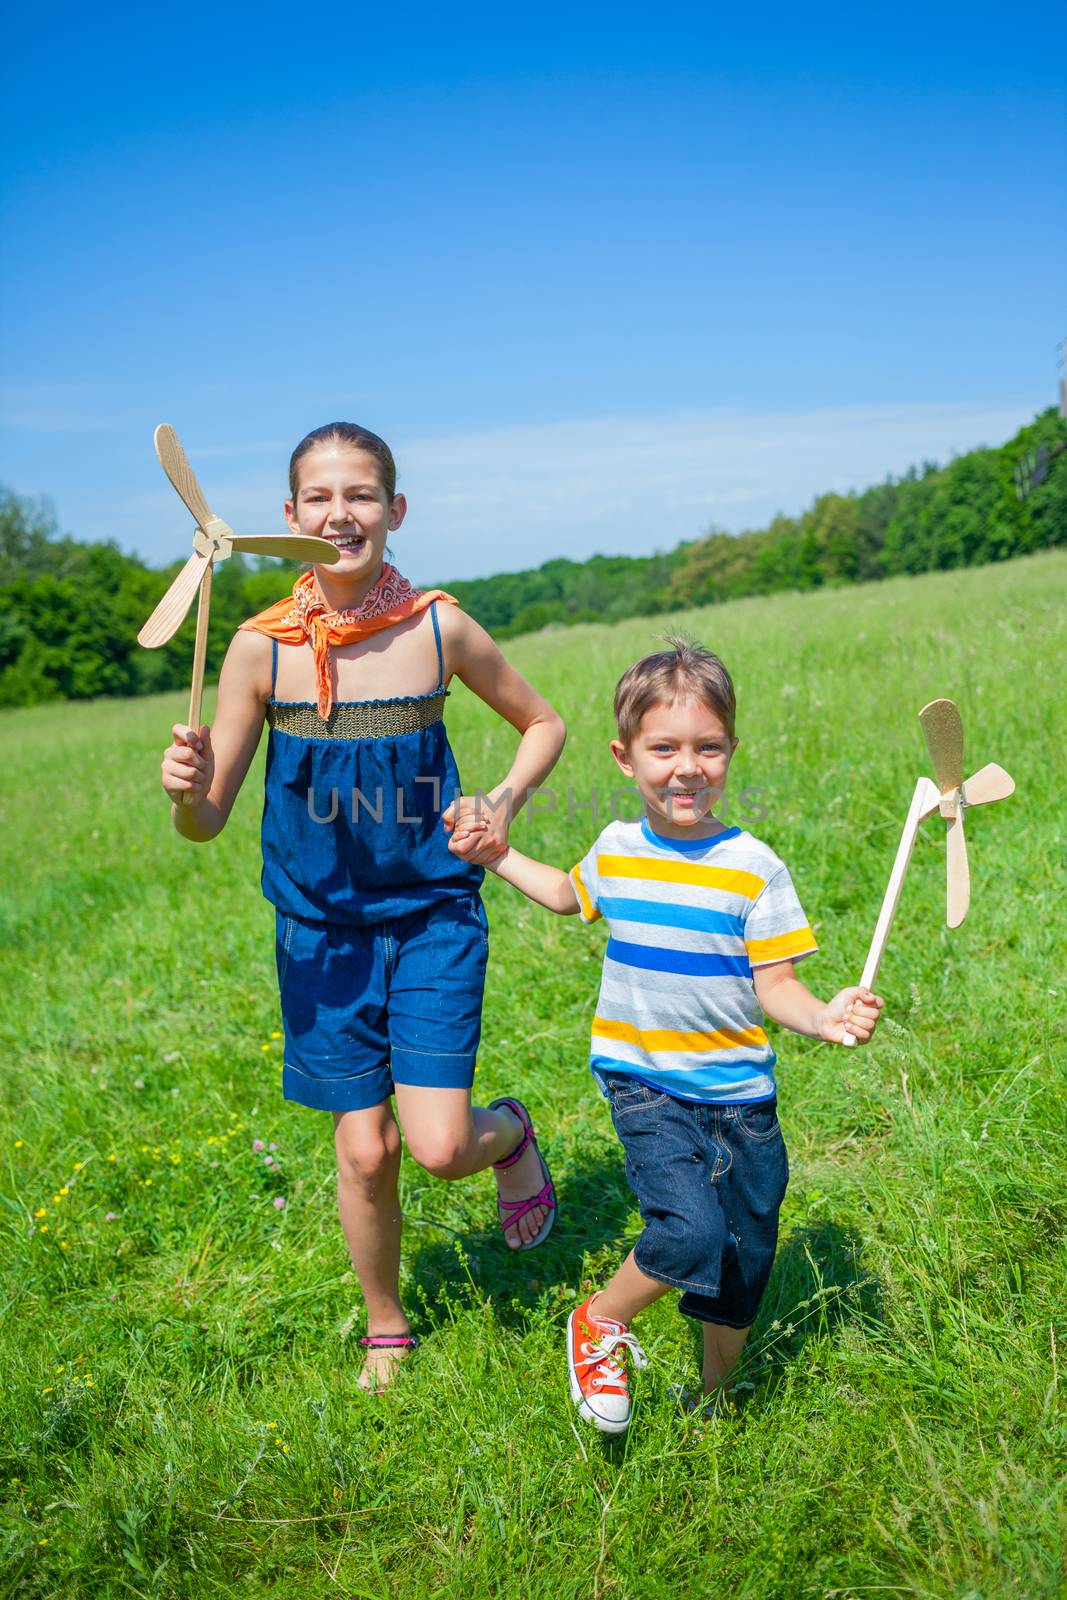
584, 1410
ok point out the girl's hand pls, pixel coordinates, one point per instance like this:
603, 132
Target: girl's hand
478, 833
188, 765
857, 1008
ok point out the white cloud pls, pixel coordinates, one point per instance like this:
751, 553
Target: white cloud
507, 498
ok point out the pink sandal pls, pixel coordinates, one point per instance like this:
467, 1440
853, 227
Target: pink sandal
510, 1211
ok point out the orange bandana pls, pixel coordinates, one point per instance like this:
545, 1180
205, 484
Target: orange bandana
303, 615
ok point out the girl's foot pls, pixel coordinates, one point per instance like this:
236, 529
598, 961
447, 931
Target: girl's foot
522, 1177
385, 1352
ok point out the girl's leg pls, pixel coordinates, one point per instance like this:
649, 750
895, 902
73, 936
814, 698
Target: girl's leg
368, 1163
453, 1139
722, 1347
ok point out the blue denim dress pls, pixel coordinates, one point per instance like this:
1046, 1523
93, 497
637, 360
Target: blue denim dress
381, 935
352, 811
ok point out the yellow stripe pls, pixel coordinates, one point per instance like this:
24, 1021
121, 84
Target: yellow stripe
745, 883
797, 943
653, 1039
588, 913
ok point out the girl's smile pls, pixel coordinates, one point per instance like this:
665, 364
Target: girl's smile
340, 498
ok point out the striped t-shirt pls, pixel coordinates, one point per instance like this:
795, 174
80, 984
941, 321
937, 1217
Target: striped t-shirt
688, 921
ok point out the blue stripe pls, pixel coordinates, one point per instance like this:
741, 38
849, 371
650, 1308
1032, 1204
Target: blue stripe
697, 919
690, 962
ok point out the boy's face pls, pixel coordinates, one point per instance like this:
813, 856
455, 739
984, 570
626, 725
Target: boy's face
679, 759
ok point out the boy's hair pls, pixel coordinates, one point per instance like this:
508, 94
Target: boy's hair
346, 433
685, 671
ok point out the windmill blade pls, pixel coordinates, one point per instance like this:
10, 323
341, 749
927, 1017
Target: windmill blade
175, 464
170, 613
959, 874
292, 546
990, 783
943, 728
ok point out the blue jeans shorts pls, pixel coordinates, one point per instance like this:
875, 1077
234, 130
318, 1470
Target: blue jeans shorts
710, 1181
392, 1002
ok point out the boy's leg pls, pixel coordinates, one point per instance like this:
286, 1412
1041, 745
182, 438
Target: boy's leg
627, 1293
451, 1138
368, 1163
722, 1347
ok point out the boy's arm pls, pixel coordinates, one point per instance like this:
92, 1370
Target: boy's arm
791, 1003
547, 885
477, 662
208, 765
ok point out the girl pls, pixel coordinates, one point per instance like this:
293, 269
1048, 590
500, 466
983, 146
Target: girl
381, 935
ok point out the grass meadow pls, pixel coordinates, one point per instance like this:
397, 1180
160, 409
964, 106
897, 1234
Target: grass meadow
180, 1413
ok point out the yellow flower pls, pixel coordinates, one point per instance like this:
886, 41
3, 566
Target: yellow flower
64, 1190
89, 1384
59, 1369
18, 1146
175, 1158
78, 1165
57, 1199
276, 1034
63, 1245
285, 1449
148, 1183
272, 1424
264, 1047
43, 1228
42, 1541
42, 1211
112, 1158
48, 1390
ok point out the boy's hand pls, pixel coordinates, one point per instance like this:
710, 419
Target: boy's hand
858, 1008
478, 832
188, 765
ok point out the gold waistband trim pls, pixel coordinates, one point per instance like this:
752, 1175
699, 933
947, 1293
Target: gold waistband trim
361, 719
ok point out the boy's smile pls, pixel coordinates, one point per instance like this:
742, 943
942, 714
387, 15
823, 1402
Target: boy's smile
679, 759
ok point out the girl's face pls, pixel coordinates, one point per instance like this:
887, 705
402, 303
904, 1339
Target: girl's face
339, 497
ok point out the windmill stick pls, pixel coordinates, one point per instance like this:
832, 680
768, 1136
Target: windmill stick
924, 802
196, 693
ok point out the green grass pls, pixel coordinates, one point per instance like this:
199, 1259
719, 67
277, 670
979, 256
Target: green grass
180, 1416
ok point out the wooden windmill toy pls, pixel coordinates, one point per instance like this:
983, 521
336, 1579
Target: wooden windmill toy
213, 541
952, 797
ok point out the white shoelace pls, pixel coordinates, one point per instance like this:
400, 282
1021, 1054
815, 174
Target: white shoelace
605, 1351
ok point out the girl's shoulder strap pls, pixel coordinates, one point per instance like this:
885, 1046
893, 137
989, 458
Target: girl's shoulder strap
273, 666
437, 641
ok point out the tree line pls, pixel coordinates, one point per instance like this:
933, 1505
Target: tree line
70, 611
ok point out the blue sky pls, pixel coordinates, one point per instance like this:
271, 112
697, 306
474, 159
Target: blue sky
602, 278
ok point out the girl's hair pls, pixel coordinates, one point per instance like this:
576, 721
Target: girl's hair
685, 671
346, 433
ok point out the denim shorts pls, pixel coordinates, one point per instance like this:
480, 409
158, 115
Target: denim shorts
391, 1002
710, 1181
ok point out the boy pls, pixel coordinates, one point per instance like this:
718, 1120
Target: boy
705, 928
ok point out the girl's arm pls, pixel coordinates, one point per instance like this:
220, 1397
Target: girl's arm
473, 657
209, 765
547, 885
788, 1001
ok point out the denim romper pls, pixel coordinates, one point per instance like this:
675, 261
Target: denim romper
381, 935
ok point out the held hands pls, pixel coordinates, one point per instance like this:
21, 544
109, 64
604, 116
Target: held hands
188, 765
478, 833
857, 1008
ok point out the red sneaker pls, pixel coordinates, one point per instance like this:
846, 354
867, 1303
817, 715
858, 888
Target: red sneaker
599, 1384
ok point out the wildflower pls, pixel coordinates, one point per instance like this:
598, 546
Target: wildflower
48, 1390
89, 1384
148, 1183
279, 1202
111, 1216
59, 1370
18, 1146
268, 1161
42, 1211
175, 1158
285, 1449
42, 1541
63, 1245
138, 1083
44, 1227
258, 1145
276, 1034
272, 1424
264, 1047
112, 1158
64, 1190
78, 1165
272, 1145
